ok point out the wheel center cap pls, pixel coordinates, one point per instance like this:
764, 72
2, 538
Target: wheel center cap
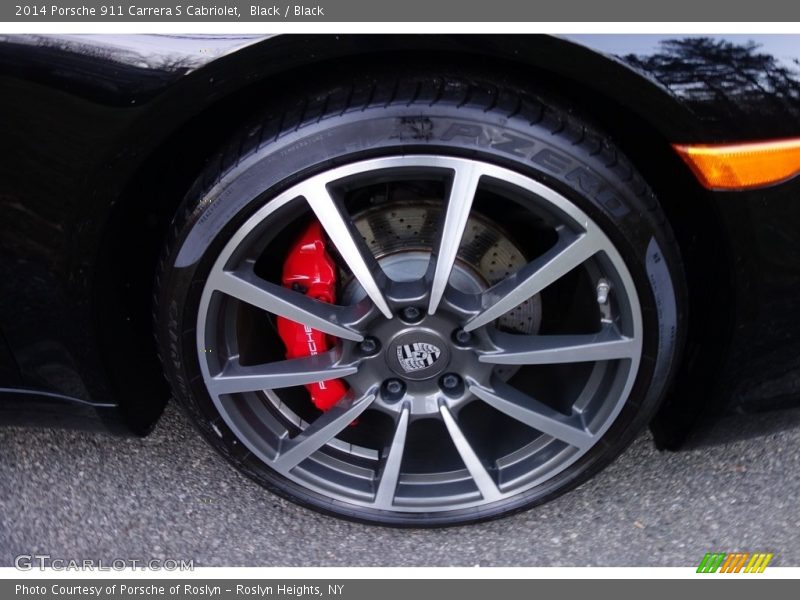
418, 354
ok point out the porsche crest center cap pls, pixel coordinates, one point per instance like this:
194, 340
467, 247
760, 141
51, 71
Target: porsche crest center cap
418, 355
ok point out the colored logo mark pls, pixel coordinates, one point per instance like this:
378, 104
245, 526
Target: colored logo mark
736, 562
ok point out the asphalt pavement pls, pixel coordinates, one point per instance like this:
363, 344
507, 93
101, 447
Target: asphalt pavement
84, 495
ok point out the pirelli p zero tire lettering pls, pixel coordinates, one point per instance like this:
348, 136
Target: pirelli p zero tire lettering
516, 280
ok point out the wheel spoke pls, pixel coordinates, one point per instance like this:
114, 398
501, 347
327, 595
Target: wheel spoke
459, 204
482, 478
236, 377
293, 451
608, 344
534, 413
384, 497
248, 287
349, 244
569, 252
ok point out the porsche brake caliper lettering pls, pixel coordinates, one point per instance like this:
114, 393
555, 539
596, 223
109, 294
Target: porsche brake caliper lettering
310, 270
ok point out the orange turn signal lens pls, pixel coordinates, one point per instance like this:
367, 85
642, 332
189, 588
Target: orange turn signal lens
742, 166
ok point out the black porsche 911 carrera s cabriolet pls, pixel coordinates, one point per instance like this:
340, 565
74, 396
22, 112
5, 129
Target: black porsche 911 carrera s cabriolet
410, 280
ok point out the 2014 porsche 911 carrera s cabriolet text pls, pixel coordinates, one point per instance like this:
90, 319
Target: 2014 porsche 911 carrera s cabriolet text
410, 280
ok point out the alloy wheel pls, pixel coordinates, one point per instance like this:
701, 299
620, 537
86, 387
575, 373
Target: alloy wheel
462, 390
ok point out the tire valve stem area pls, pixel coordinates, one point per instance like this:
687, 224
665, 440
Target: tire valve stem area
603, 288
309, 269
603, 299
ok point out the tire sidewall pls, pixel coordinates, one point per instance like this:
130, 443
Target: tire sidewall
609, 191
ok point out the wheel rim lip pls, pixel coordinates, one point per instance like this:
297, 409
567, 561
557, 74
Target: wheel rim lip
562, 206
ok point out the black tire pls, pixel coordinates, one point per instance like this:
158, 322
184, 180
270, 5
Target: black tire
501, 122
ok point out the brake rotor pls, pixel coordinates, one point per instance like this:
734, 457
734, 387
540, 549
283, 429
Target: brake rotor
402, 235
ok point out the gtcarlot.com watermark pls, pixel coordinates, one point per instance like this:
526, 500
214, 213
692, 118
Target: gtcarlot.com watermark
29, 562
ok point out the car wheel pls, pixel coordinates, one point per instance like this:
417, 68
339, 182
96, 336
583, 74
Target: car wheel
504, 310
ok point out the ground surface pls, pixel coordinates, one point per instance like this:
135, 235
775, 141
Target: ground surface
79, 495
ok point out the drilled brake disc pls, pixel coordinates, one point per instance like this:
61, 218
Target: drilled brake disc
486, 255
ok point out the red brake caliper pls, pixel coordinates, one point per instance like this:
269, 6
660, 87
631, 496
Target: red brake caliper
309, 269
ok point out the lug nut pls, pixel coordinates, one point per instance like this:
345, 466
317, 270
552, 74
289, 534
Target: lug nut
461, 336
450, 381
411, 313
393, 389
369, 345
451, 384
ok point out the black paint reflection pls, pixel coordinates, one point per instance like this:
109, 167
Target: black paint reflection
721, 78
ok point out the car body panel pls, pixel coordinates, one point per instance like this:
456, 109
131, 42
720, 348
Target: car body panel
738, 87
93, 125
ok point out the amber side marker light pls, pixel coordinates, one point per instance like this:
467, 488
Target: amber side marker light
742, 166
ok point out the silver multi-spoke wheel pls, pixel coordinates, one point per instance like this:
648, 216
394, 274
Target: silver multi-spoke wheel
414, 298
505, 389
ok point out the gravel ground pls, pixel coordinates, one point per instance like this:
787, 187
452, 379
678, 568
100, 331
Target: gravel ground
78, 495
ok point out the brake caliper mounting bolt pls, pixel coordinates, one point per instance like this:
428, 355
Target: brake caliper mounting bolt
603, 288
411, 313
369, 346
